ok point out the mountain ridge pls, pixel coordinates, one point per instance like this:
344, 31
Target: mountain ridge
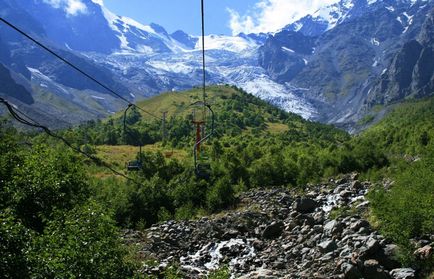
324, 66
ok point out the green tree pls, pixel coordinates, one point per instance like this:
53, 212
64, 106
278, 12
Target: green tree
83, 242
15, 242
48, 179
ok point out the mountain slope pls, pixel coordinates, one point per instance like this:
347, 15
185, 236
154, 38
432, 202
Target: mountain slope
338, 65
356, 45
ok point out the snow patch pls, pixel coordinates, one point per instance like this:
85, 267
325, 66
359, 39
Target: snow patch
400, 20
297, 26
179, 68
234, 44
288, 49
278, 94
375, 42
97, 97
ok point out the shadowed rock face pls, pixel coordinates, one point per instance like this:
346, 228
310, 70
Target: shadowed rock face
411, 73
268, 237
9, 87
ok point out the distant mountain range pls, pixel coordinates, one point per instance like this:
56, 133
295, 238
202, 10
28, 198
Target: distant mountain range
338, 65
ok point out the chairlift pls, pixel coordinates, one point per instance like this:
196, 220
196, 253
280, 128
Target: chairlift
134, 165
202, 164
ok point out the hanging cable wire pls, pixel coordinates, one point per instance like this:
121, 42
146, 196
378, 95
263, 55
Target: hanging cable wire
203, 52
75, 67
18, 115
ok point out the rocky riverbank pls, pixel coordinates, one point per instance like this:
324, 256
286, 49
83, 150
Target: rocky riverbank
275, 233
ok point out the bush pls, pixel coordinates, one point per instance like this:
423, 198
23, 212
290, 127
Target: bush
220, 195
14, 247
48, 179
407, 210
81, 243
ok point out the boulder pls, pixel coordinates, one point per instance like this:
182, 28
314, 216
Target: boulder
424, 253
388, 256
327, 246
359, 224
350, 271
373, 270
403, 273
333, 227
274, 230
369, 249
305, 205
260, 274
356, 185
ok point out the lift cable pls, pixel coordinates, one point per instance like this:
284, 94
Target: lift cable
18, 115
203, 52
75, 67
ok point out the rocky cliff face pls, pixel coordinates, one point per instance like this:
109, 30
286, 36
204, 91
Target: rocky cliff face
411, 73
365, 53
278, 234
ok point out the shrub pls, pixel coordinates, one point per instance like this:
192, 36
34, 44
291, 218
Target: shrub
14, 247
220, 195
83, 242
407, 210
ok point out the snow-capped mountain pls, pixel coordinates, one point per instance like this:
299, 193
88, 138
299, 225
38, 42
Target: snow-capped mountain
332, 65
354, 44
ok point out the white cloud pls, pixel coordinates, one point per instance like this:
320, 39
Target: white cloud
272, 15
71, 7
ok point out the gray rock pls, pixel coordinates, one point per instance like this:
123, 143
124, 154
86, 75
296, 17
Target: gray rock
424, 253
274, 230
403, 273
388, 256
370, 248
356, 185
333, 228
359, 224
373, 270
305, 205
350, 271
327, 246
260, 274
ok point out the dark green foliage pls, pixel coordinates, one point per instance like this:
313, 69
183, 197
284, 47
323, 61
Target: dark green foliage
220, 195
81, 242
220, 273
46, 180
48, 229
407, 209
14, 247
407, 129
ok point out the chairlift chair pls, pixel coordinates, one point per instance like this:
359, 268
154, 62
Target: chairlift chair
134, 165
202, 165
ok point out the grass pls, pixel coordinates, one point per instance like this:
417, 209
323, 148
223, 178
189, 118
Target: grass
178, 103
276, 128
118, 155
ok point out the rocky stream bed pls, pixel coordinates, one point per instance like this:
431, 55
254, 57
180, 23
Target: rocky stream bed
275, 233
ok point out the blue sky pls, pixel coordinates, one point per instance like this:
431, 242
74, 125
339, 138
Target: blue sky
182, 14
222, 16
